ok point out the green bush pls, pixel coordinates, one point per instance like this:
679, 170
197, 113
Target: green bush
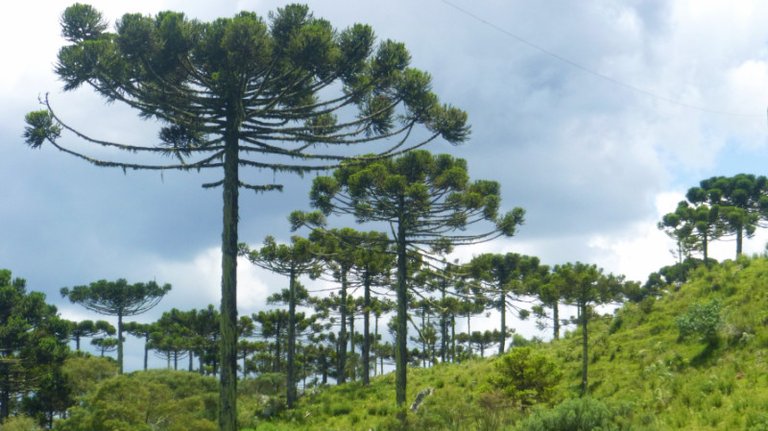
702, 320
583, 414
20, 423
526, 376
154, 400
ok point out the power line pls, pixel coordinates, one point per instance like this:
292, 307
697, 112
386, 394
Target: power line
592, 72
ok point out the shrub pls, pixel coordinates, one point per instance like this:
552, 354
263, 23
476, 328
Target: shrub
20, 423
702, 320
526, 376
583, 414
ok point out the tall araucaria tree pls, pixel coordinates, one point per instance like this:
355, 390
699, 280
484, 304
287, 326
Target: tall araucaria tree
428, 201
294, 260
289, 94
117, 298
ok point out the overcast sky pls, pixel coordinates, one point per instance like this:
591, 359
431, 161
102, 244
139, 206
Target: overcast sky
595, 116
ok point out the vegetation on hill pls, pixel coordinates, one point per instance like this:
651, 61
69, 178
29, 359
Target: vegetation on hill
664, 363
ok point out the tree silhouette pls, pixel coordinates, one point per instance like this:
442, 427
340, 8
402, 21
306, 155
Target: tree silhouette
291, 95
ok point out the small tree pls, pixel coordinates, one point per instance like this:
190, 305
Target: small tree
527, 376
585, 285
117, 298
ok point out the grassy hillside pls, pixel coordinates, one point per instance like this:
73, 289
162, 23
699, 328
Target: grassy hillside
642, 373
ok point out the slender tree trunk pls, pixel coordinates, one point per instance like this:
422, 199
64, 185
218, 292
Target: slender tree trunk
375, 340
556, 318
704, 246
291, 372
175, 360
401, 343
5, 398
443, 324
146, 350
423, 337
228, 320
739, 239
191, 358
366, 328
503, 306
77, 343
353, 369
584, 349
120, 342
278, 329
342, 349
453, 337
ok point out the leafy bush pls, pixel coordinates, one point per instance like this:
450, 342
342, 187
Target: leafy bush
152, 400
20, 423
583, 414
526, 376
702, 320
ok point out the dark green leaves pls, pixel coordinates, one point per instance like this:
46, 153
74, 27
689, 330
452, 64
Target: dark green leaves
82, 22
40, 127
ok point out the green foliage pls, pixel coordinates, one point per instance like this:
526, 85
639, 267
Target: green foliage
151, 400
526, 376
702, 321
20, 423
582, 414
85, 372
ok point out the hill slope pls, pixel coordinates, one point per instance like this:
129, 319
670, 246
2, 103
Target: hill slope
641, 370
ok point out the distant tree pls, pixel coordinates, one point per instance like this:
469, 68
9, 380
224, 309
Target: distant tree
117, 298
173, 336
89, 328
294, 260
242, 92
583, 286
503, 278
33, 345
141, 330
104, 344
426, 200
742, 202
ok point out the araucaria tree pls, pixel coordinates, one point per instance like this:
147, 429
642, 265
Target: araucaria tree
291, 94
585, 286
503, 277
294, 260
428, 201
117, 298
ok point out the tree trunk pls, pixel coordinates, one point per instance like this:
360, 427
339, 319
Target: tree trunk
739, 239
556, 318
351, 316
342, 349
401, 346
443, 324
146, 350
120, 342
503, 306
366, 328
228, 320
453, 337
291, 372
584, 349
